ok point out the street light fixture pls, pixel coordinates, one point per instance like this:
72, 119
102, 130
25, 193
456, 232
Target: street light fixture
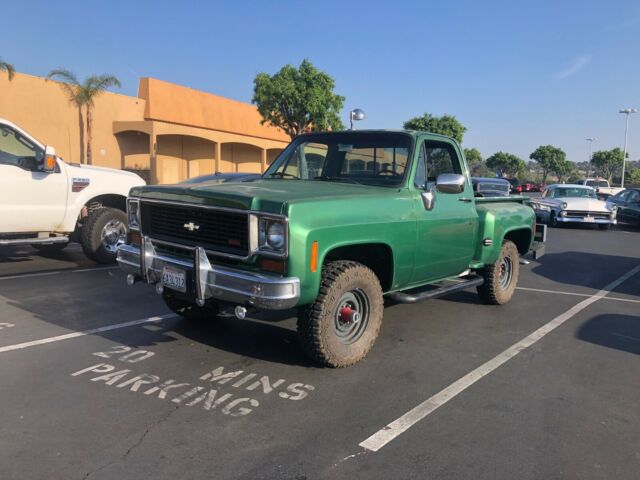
590, 140
627, 112
355, 115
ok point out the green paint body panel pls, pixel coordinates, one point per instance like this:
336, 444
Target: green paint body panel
426, 246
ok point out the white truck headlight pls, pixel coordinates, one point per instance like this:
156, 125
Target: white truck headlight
272, 236
133, 213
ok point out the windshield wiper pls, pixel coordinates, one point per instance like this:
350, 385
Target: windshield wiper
283, 174
336, 179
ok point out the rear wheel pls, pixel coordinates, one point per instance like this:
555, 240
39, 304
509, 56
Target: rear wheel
501, 278
104, 231
342, 325
190, 310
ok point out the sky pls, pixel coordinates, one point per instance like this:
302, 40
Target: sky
516, 74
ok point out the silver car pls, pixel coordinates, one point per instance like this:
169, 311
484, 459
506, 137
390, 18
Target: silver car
563, 203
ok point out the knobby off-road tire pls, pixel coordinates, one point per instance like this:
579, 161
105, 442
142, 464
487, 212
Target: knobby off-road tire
189, 310
501, 278
94, 244
329, 332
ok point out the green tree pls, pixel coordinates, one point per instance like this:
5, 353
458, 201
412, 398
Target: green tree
608, 162
298, 100
83, 94
445, 125
563, 169
476, 164
7, 67
632, 176
549, 158
506, 163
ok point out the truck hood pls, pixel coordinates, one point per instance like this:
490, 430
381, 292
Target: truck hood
91, 171
273, 195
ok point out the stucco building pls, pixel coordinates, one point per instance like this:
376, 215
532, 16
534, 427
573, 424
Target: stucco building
168, 132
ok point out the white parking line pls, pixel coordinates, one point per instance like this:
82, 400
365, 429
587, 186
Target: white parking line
56, 272
558, 292
67, 336
379, 439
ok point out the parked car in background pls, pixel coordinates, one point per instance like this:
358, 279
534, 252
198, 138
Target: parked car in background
490, 187
602, 187
628, 204
566, 203
216, 178
47, 203
515, 185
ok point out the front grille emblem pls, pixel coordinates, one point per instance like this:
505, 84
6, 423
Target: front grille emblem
192, 227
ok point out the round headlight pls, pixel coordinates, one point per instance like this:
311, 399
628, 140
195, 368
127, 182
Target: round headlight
564, 206
275, 236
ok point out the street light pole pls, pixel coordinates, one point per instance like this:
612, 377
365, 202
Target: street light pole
627, 112
590, 140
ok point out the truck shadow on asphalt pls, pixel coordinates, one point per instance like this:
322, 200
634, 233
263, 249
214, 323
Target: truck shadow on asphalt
588, 270
620, 332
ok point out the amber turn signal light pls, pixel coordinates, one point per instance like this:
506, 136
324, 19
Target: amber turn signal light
276, 266
314, 257
49, 163
133, 238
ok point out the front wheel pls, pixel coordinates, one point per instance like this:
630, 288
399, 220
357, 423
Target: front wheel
501, 278
553, 220
604, 226
104, 231
342, 325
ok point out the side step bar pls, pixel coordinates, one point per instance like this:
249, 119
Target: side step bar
33, 241
404, 297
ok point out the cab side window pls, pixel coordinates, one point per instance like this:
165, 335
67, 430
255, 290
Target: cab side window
18, 151
436, 158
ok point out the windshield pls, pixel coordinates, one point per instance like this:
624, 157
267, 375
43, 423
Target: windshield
574, 192
597, 183
370, 158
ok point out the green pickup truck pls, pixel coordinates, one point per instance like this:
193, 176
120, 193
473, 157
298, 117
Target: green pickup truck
339, 221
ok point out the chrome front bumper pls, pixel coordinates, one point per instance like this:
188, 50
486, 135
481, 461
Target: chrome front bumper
596, 221
206, 281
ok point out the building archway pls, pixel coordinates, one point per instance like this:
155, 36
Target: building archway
240, 157
180, 157
134, 152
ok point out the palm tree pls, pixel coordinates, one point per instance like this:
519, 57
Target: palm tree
83, 94
7, 67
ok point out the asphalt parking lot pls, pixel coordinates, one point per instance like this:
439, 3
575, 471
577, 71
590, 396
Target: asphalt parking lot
99, 381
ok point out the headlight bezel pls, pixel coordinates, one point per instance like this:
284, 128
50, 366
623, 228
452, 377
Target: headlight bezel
564, 206
268, 247
133, 215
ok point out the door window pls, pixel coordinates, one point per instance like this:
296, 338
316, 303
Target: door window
18, 150
435, 158
622, 196
634, 197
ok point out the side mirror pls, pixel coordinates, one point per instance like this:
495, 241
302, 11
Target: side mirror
450, 183
49, 161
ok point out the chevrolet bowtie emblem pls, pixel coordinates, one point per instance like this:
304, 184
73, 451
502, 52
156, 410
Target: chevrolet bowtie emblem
192, 227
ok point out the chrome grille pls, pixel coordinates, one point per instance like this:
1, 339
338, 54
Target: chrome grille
191, 225
578, 213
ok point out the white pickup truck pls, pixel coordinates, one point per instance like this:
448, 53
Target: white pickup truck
47, 203
602, 187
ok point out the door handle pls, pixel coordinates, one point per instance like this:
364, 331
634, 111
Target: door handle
465, 199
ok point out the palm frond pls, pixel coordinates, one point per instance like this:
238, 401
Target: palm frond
64, 75
7, 67
96, 84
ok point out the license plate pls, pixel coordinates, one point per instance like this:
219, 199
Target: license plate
174, 278
588, 219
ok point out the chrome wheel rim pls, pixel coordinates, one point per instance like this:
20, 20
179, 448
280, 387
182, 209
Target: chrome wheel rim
114, 234
351, 316
505, 272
